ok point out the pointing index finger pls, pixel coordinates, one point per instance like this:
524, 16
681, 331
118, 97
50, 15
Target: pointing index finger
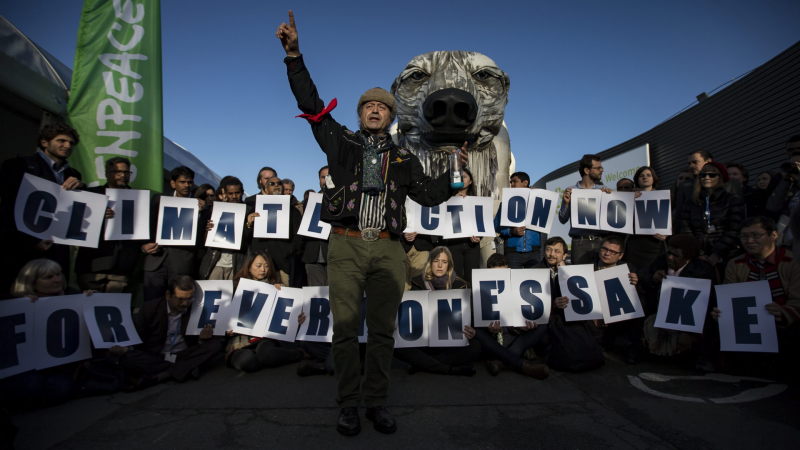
291, 19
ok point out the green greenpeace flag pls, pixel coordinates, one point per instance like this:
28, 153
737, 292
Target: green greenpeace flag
115, 99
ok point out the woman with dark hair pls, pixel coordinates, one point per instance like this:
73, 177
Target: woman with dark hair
439, 275
641, 249
249, 353
714, 216
207, 193
466, 252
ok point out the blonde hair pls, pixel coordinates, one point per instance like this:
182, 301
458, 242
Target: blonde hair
25, 283
428, 274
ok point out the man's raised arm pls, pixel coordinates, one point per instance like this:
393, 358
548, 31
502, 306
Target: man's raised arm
326, 130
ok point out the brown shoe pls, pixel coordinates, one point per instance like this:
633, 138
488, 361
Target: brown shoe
538, 371
495, 366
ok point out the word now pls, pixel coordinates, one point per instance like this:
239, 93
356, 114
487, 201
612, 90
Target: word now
622, 212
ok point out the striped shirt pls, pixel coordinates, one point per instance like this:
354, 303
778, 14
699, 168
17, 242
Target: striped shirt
373, 207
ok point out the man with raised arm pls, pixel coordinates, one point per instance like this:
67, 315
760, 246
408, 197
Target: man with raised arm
363, 200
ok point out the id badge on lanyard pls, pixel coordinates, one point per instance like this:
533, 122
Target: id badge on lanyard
169, 356
709, 228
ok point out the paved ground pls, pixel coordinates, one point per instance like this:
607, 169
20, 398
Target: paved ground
277, 409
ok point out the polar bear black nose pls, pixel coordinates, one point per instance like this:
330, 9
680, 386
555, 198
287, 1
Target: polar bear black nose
450, 108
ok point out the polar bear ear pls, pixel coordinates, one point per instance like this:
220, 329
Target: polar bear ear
506, 83
396, 84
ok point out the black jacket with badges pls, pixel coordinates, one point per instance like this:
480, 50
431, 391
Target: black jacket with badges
345, 150
111, 257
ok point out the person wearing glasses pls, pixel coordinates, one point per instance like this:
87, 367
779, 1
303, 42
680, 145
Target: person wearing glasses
585, 243
764, 260
281, 250
612, 249
264, 176
714, 216
107, 267
166, 352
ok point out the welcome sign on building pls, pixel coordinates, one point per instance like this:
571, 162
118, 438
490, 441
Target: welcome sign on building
614, 169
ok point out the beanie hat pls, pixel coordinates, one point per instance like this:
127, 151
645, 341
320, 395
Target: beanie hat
378, 95
723, 170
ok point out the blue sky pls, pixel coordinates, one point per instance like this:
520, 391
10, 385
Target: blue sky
585, 75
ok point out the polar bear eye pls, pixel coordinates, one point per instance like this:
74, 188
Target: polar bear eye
418, 76
482, 75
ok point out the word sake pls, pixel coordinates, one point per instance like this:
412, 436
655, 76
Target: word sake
60, 330
46, 211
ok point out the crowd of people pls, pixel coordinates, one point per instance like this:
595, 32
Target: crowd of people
724, 230
717, 236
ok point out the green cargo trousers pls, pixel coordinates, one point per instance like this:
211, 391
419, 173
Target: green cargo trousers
376, 268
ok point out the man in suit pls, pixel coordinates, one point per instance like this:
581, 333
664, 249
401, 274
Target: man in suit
107, 267
264, 175
315, 251
162, 264
166, 351
281, 250
56, 143
222, 264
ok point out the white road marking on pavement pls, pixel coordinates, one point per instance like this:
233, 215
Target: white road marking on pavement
747, 396
639, 384
721, 377
753, 394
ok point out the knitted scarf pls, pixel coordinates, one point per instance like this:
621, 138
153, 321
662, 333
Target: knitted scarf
768, 271
440, 283
374, 173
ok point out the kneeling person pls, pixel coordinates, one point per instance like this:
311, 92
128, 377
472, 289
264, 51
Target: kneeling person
506, 348
440, 275
166, 351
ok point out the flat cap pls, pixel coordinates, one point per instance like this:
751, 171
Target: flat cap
378, 95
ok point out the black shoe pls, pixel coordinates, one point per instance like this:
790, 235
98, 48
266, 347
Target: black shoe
466, 370
632, 355
381, 419
307, 368
349, 422
195, 373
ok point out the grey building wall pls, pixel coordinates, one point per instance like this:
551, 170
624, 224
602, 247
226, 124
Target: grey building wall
748, 122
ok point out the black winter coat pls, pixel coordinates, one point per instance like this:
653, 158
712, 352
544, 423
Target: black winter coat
345, 150
213, 255
111, 257
695, 269
418, 284
727, 214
